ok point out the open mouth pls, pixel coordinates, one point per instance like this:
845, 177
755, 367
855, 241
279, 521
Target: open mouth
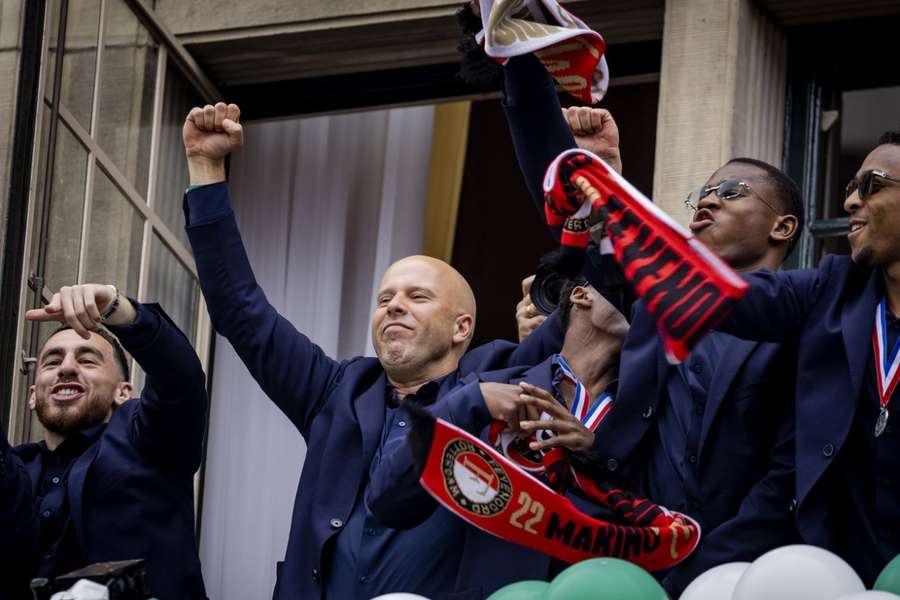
856, 226
702, 218
66, 392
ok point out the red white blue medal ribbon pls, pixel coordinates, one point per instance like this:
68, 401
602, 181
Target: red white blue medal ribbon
887, 365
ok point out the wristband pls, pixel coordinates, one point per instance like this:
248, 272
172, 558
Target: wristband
113, 307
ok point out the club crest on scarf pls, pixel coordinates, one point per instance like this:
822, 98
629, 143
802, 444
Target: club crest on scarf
487, 490
686, 287
570, 50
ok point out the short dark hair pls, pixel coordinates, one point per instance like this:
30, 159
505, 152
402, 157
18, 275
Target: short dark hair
118, 352
890, 137
565, 300
787, 191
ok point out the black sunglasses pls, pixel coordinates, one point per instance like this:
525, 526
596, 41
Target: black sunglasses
868, 183
730, 189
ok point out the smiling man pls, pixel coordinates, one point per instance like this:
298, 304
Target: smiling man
113, 477
844, 318
349, 412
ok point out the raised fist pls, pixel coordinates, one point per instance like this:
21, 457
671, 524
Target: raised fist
596, 131
212, 132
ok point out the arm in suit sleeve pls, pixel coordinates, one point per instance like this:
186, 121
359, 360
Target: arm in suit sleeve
539, 131
170, 420
394, 494
776, 303
763, 522
294, 372
18, 521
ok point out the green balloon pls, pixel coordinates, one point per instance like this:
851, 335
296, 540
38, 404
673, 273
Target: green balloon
521, 590
605, 579
889, 580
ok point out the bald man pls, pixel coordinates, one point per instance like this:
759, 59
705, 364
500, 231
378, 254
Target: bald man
348, 411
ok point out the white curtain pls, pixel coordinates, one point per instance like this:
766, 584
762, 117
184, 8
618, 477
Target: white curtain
324, 205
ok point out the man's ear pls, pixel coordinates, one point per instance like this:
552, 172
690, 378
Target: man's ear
463, 328
32, 401
784, 228
123, 393
580, 297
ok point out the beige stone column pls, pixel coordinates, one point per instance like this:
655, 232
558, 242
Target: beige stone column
722, 94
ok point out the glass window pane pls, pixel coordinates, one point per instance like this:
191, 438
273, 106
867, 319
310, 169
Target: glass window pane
10, 31
66, 211
80, 59
172, 174
127, 82
173, 287
115, 235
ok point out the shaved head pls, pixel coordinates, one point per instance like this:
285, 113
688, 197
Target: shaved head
458, 291
424, 319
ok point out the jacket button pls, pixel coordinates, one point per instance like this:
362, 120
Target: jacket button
336, 523
827, 450
648, 412
612, 464
692, 459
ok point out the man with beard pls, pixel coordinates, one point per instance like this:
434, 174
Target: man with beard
844, 317
675, 433
113, 477
348, 411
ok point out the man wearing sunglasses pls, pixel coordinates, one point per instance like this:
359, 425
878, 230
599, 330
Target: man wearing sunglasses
711, 437
844, 317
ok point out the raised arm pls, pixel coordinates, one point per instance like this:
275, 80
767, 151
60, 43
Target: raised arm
294, 372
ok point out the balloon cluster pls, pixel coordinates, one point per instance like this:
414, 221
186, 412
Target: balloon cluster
793, 572
787, 573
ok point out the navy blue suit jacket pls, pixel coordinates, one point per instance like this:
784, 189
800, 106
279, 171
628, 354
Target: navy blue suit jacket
744, 477
338, 406
831, 312
397, 499
744, 511
131, 493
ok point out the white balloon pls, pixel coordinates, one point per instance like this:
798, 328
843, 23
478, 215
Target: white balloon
400, 596
716, 584
870, 595
795, 572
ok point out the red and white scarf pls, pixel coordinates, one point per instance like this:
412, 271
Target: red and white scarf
686, 287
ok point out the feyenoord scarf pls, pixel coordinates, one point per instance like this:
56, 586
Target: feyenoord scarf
887, 365
686, 287
567, 47
489, 491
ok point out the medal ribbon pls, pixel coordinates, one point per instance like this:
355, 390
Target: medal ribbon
516, 448
887, 363
487, 490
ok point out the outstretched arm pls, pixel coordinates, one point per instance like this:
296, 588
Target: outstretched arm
294, 372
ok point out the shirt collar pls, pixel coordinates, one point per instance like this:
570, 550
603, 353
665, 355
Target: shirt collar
77, 442
425, 395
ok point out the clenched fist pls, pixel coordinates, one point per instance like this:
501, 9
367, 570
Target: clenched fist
210, 134
596, 131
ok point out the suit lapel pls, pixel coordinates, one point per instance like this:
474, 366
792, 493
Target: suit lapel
369, 408
857, 320
34, 468
75, 487
730, 362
